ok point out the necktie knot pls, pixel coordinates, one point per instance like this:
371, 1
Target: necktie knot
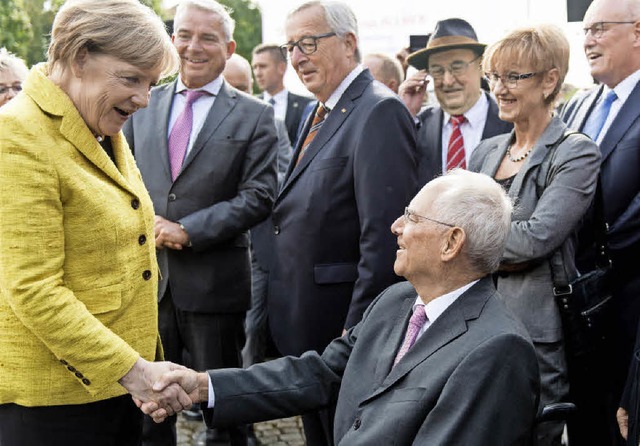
272, 101
321, 112
193, 96
609, 98
457, 119
599, 116
318, 119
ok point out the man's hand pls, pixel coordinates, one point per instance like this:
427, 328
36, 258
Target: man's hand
412, 91
623, 422
140, 379
169, 234
194, 384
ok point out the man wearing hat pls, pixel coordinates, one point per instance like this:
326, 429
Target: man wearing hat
465, 115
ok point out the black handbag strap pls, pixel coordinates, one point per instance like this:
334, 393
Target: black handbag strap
559, 277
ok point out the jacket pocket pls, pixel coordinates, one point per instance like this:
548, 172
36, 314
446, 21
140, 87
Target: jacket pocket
335, 273
328, 163
101, 300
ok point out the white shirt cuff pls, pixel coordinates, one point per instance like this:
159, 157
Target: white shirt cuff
212, 395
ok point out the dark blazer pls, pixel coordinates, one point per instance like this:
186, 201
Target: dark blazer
295, 107
334, 251
541, 225
429, 139
227, 185
471, 379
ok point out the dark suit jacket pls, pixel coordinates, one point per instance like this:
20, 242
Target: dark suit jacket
334, 251
429, 139
470, 379
295, 106
227, 185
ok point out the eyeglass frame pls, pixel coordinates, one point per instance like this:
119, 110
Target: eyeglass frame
287, 48
597, 34
409, 214
464, 66
493, 78
4, 89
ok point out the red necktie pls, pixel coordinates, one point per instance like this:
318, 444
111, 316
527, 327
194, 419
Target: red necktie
417, 321
455, 152
181, 133
318, 119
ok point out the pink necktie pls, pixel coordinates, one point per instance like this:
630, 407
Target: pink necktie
455, 152
417, 321
181, 132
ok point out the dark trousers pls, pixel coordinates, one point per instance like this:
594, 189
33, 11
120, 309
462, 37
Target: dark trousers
113, 422
212, 341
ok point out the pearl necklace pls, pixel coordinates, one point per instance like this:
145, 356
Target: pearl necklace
519, 158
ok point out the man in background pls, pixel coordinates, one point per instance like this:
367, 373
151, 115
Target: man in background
385, 69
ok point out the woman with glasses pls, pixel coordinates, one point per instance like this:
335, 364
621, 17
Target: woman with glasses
13, 71
526, 70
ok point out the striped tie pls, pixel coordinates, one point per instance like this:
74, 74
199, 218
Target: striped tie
455, 153
318, 119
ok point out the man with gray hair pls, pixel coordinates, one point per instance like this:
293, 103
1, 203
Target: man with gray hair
385, 69
437, 360
206, 153
352, 171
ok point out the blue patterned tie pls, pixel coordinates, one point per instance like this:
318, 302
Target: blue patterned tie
594, 124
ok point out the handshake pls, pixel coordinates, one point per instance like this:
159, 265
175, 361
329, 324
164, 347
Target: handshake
162, 389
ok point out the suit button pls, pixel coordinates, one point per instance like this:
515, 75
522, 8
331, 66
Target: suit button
135, 203
146, 275
85, 381
172, 197
276, 230
357, 424
142, 239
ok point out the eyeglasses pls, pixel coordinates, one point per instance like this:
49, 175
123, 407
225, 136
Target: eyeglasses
599, 28
410, 216
307, 45
457, 69
4, 89
509, 80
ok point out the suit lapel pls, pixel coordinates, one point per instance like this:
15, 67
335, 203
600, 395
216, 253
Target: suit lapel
159, 137
623, 120
451, 324
292, 109
583, 110
222, 106
433, 132
493, 123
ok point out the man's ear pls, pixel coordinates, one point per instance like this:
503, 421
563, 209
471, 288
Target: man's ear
79, 62
453, 244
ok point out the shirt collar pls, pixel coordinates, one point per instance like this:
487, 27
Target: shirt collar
337, 94
624, 88
437, 306
213, 87
476, 115
280, 96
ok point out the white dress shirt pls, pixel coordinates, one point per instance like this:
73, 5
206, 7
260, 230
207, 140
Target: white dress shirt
200, 107
280, 105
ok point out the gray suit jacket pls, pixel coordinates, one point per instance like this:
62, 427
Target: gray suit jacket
227, 185
472, 378
542, 225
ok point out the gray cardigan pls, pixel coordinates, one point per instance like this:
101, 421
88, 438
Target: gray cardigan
542, 225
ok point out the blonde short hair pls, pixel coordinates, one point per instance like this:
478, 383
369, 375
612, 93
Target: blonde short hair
9, 62
125, 29
544, 46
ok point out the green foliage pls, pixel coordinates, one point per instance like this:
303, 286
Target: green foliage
15, 27
248, 19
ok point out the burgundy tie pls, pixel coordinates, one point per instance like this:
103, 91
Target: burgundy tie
455, 152
417, 321
181, 133
318, 119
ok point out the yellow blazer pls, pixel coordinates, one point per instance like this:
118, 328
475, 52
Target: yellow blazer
78, 270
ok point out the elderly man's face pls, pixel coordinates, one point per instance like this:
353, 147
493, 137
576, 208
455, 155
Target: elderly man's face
608, 51
420, 239
322, 71
456, 94
202, 45
107, 90
10, 85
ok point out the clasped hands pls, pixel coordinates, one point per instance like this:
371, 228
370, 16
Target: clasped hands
162, 389
169, 234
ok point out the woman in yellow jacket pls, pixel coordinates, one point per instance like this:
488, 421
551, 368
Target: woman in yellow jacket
78, 271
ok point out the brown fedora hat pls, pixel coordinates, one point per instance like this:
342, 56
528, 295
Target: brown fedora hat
449, 34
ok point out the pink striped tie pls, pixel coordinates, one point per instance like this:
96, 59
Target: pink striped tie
181, 133
417, 321
455, 152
